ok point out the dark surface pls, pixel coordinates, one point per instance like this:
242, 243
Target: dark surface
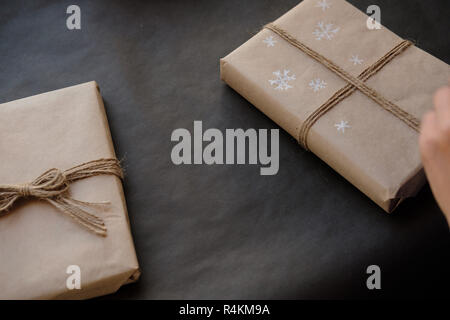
225, 231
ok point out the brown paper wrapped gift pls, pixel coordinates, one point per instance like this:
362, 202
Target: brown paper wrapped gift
61, 129
351, 95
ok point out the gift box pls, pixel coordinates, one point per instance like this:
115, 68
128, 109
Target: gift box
352, 95
67, 236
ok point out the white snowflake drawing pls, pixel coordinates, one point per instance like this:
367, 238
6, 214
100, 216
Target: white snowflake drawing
270, 41
324, 4
317, 84
282, 80
325, 31
342, 126
356, 60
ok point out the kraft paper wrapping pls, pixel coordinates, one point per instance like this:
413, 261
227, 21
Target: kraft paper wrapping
61, 129
375, 151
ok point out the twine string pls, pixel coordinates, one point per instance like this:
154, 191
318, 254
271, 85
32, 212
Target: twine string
53, 186
352, 84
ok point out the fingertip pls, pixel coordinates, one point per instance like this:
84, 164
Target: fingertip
428, 118
428, 125
442, 97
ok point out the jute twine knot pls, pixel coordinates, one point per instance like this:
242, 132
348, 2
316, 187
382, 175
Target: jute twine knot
25, 190
51, 183
53, 186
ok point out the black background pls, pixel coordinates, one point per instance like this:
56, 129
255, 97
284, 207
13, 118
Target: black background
208, 232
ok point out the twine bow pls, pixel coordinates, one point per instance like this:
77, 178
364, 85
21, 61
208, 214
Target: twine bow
53, 186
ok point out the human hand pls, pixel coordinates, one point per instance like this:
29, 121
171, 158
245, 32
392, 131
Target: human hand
434, 145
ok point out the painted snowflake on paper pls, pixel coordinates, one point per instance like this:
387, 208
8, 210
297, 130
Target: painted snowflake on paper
324, 4
282, 80
325, 31
342, 126
317, 84
270, 41
356, 60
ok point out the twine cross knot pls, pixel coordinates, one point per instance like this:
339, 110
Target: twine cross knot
353, 84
